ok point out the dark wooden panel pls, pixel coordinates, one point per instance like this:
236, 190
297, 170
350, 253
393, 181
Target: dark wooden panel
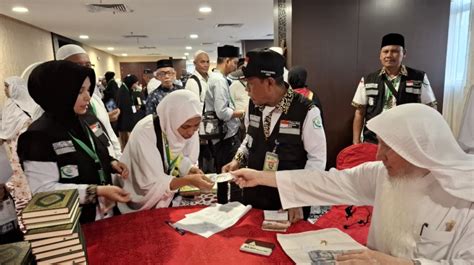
136, 69
324, 40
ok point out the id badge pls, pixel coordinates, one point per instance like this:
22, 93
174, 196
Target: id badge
271, 162
134, 109
139, 100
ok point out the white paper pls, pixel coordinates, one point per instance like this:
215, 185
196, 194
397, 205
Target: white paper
275, 215
297, 246
213, 219
224, 177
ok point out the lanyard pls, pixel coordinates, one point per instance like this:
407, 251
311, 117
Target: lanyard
171, 163
91, 152
93, 108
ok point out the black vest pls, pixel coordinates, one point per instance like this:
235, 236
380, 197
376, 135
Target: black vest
290, 150
409, 91
47, 140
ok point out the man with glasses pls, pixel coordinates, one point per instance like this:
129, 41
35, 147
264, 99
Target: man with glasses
166, 75
284, 131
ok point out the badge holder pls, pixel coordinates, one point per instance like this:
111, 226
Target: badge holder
271, 159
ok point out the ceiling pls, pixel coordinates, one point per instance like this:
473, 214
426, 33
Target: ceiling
167, 23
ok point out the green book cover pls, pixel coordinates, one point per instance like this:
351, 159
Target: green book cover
14, 253
50, 202
53, 231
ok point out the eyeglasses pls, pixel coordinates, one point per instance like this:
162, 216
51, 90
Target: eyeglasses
163, 74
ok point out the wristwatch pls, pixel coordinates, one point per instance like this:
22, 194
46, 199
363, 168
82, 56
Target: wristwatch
416, 262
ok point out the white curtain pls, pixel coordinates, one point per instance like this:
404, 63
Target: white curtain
458, 63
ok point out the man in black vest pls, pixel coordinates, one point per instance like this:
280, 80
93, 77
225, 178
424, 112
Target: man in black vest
393, 85
284, 130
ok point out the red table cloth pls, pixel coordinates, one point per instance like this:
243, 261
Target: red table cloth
144, 238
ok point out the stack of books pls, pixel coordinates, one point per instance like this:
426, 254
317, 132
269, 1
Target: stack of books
16, 253
53, 229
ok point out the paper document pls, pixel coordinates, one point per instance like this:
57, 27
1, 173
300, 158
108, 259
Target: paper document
298, 246
275, 215
213, 219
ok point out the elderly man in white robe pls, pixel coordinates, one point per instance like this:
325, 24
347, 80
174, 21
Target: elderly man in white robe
422, 190
162, 148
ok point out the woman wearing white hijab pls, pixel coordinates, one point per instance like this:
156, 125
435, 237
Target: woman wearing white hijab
16, 117
162, 148
422, 191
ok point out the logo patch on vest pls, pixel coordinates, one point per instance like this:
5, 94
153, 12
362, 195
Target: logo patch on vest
290, 127
96, 129
69, 171
63, 147
317, 123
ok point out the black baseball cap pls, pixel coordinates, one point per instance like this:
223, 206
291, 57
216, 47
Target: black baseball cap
264, 63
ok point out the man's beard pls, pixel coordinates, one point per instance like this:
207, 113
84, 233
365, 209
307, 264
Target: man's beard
400, 198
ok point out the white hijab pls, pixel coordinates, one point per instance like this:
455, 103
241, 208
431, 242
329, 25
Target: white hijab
421, 136
174, 110
19, 102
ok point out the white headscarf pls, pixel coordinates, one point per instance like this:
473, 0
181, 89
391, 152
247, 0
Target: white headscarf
19, 102
421, 136
174, 110
25, 75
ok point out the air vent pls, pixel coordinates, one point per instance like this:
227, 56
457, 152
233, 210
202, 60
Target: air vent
135, 36
154, 53
229, 25
114, 8
208, 43
146, 47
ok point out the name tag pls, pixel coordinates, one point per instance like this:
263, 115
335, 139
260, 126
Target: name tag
254, 121
371, 85
271, 162
139, 100
372, 92
96, 129
290, 127
134, 109
63, 147
249, 141
69, 171
413, 90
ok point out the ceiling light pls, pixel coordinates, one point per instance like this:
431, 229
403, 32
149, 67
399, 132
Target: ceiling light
205, 9
20, 9
189, 48
110, 48
184, 57
124, 54
84, 37
193, 36
186, 53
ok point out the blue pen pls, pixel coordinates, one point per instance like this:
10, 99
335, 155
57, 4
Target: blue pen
177, 229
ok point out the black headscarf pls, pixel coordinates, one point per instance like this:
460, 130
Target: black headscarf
129, 80
297, 77
109, 76
55, 85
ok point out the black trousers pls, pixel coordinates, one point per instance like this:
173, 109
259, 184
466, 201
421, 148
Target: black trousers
225, 150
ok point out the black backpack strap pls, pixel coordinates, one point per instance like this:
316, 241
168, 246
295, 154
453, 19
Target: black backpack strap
159, 139
198, 82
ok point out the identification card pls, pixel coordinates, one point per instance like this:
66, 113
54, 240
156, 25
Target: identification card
134, 109
139, 101
257, 247
271, 162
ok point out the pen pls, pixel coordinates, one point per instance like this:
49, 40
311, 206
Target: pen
423, 226
179, 230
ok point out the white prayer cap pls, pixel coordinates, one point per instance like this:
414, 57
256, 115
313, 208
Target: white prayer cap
69, 50
196, 54
277, 49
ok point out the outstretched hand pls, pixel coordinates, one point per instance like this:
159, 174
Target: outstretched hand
369, 257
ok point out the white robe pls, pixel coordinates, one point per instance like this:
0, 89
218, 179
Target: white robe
148, 184
355, 186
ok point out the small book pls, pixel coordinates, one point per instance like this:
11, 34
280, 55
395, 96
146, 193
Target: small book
61, 257
48, 241
54, 246
257, 247
52, 217
52, 231
55, 252
75, 213
50, 203
15, 253
280, 215
276, 226
81, 260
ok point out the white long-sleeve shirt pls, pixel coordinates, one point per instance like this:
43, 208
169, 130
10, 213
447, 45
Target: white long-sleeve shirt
362, 185
101, 113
